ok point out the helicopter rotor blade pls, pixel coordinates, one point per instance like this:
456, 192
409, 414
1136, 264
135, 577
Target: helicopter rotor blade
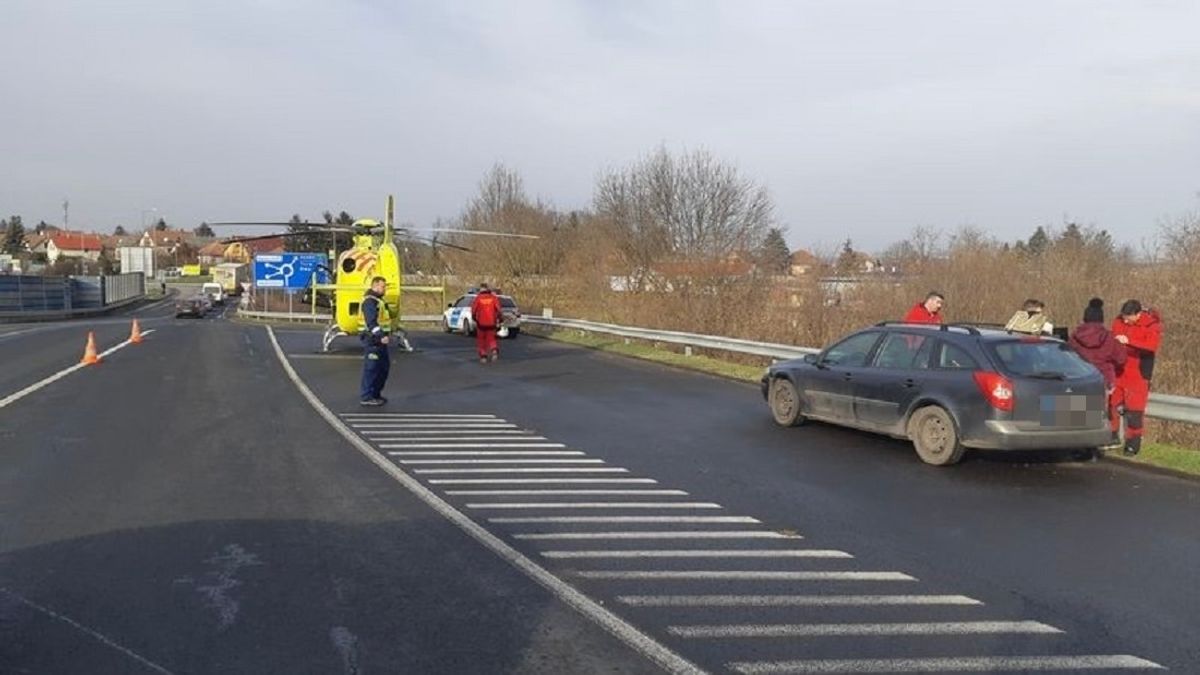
283, 235
482, 233
435, 243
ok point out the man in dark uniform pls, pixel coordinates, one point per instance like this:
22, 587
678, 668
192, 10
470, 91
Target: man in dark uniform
376, 359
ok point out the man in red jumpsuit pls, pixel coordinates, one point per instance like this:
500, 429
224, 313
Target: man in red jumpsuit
485, 311
1140, 330
929, 311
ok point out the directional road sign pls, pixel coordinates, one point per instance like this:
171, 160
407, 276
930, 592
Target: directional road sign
289, 270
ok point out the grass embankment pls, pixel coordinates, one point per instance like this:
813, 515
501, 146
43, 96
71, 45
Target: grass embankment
1161, 455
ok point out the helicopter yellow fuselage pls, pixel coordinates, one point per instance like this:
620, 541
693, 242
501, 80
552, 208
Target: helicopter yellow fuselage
353, 272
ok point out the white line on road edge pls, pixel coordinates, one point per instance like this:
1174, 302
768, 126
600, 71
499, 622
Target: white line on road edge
84, 629
865, 629
618, 627
542, 481
627, 519
976, 664
480, 453
749, 534
595, 505
13, 398
747, 575
495, 493
792, 600
501, 461
525, 470
477, 445
697, 553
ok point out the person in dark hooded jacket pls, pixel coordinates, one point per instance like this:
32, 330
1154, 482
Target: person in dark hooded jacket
1097, 345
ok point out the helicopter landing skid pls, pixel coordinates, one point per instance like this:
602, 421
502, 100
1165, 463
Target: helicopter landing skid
333, 332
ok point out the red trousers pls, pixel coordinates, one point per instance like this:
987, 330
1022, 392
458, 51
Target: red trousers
485, 340
1133, 394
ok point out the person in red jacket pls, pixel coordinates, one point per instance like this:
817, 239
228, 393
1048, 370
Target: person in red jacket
1097, 345
1140, 330
485, 312
929, 311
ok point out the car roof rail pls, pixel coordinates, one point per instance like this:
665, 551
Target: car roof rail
944, 327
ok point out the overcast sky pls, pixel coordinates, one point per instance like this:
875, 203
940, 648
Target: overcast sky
863, 119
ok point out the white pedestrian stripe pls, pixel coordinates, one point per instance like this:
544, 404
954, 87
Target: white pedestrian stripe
952, 664
746, 575
495, 493
474, 445
596, 505
543, 481
525, 470
863, 629
501, 461
700, 534
482, 453
627, 519
698, 553
793, 600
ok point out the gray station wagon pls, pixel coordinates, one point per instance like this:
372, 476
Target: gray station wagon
947, 388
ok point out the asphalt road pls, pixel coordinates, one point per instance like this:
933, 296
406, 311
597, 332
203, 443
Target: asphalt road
183, 508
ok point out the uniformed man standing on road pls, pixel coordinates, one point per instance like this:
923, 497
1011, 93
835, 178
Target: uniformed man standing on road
376, 359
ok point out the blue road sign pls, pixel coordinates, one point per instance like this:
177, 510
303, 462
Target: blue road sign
289, 270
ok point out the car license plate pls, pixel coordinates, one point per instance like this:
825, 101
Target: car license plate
1072, 411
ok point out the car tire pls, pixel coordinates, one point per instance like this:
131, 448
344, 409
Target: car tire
513, 333
784, 401
446, 326
935, 437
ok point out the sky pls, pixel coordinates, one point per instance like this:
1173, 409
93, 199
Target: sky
863, 119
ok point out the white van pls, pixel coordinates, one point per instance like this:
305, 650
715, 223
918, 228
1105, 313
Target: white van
214, 292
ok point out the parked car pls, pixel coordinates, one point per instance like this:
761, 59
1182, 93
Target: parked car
196, 306
457, 317
214, 292
947, 388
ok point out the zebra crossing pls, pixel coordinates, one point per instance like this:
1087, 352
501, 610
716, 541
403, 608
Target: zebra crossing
708, 583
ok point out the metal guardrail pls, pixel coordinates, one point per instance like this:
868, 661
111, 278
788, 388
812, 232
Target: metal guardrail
1162, 406
292, 317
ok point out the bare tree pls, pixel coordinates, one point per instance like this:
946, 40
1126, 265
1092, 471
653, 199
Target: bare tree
692, 207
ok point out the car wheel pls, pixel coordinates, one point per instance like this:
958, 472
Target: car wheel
446, 326
784, 400
935, 437
513, 333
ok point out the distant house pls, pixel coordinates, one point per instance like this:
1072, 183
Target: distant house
74, 245
802, 263
213, 254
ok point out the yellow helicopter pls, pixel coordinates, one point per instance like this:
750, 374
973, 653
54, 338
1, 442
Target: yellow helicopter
373, 253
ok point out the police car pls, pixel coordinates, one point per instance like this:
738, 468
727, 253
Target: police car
457, 317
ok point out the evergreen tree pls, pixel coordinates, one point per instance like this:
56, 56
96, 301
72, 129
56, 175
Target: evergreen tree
160, 226
774, 255
119, 232
204, 231
847, 261
1039, 242
14, 236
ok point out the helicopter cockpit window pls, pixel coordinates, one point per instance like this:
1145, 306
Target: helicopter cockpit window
464, 301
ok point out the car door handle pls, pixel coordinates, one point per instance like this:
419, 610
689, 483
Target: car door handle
847, 376
909, 383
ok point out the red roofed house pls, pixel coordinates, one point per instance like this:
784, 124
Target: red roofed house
802, 263
212, 254
74, 245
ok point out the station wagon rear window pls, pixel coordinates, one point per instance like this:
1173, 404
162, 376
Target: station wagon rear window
1041, 358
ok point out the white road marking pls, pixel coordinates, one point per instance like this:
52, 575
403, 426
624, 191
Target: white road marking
595, 505
979, 664
697, 553
542, 481
525, 470
100, 637
480, 453
415, 416
463, 439
494, 493
618, 627
13, 398
864, 629
346, 643
475, 444
448, 433
792, 600
435, 425
501, 461
627, 519
747, 575
749, 534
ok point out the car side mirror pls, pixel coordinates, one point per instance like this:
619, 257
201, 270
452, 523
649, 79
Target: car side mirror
812, 359
449, 305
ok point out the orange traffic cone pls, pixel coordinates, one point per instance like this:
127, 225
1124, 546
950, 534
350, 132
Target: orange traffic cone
136, 335
89, 354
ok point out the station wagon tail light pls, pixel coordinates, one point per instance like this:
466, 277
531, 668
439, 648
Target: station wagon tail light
996, 388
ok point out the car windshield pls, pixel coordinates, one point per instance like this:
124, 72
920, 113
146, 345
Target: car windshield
465, 301
506, 301
1041, 358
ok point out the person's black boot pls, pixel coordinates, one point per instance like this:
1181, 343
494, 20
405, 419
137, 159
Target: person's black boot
1133, 446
